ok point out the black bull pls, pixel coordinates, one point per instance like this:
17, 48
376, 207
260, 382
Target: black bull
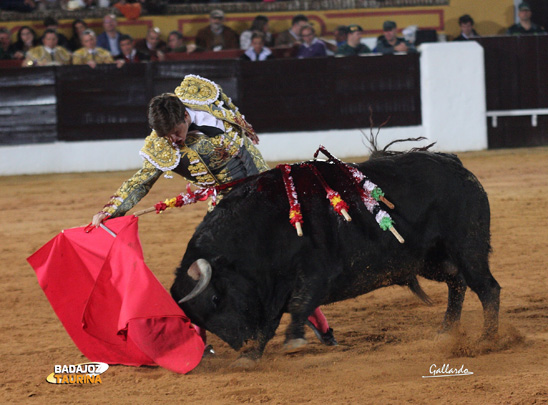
260, 268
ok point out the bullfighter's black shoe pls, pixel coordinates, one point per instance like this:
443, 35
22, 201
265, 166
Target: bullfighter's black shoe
208, 352
326, 338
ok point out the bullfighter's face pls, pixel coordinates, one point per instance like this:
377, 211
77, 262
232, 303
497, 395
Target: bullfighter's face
179, 133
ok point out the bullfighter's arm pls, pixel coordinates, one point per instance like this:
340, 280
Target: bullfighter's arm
132, 190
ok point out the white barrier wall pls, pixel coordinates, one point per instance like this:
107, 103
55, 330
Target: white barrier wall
453, 115
453, 95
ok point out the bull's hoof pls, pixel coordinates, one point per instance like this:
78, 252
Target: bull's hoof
245, 363
489, 336
294, 345
444, 337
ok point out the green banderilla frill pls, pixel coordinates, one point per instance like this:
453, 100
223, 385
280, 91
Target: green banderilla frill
386, 223
377, 193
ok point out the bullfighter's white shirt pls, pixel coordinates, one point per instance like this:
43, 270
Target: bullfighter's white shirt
204, 118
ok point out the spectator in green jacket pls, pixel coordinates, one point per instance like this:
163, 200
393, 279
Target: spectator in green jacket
353, 46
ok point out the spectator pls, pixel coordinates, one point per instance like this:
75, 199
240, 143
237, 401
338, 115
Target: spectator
311, 47
217, 36
110, 37
340, 38
525, 25
51, 23
257, 51
175, 43
467, 31
128, 52
152, 45
23, 6
7, 50
26, 39
260, 24
390, 42
353, 46
49, 53
90, 54
340, 34
78, 27
291, 36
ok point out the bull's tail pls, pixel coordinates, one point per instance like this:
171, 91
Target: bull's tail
416, 289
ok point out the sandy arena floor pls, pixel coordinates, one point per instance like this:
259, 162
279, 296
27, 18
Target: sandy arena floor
387, 338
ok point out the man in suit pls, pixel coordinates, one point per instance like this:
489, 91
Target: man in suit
128, 52
110, 38
152, 45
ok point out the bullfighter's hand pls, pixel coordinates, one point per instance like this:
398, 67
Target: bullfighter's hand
98, 218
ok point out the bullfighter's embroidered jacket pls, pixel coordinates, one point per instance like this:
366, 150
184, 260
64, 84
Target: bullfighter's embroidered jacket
207, 158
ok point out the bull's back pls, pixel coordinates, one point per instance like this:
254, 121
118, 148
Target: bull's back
435, 199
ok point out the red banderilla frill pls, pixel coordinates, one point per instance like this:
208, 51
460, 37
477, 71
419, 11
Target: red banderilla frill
295, 215
185, 199
338, 204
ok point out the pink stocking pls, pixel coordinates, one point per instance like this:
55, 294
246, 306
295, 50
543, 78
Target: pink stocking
319, 320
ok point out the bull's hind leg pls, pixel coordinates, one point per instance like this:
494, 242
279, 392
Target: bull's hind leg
457, 289
481, 281
439, 267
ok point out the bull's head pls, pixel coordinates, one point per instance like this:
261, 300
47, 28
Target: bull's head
220, 300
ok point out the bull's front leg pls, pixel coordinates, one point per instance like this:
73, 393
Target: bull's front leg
300, 308
294, 335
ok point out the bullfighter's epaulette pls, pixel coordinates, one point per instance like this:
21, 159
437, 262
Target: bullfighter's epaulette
159, 151
166, 156
198, 93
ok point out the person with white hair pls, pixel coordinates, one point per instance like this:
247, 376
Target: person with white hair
90, 54
152, 45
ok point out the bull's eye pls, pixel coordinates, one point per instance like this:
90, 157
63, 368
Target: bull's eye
215, 301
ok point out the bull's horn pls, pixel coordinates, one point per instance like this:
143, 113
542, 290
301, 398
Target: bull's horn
200, 271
